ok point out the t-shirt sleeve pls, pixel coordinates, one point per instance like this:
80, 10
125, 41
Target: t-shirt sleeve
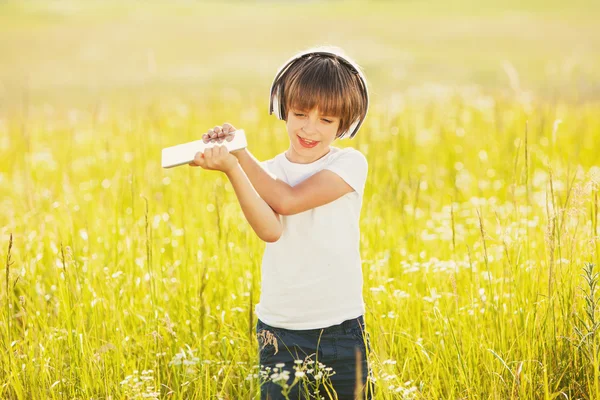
352, 167
266, 164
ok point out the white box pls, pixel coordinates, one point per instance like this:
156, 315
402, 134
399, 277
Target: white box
185, 153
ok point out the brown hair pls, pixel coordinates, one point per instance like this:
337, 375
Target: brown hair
325, 82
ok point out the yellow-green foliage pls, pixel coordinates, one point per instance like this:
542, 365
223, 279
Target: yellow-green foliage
480, 210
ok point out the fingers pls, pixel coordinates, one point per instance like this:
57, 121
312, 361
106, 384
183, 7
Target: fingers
228, 128
214, 132
211, 156
215, 153
225, 134
211, 153
216, 157
209, 136
208, 158
219, 134
199, 160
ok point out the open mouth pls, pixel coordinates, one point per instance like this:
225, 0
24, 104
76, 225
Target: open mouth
307, 143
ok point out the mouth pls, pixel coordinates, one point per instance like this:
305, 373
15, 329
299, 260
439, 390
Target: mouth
307, 143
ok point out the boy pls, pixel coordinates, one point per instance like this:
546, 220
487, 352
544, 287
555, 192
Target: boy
305, 203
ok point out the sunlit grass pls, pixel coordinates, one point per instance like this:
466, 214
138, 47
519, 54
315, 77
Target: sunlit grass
472, 253
479, 227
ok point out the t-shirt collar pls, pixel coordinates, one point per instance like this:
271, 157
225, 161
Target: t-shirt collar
307, 165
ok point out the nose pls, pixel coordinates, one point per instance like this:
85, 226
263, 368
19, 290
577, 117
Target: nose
310, 128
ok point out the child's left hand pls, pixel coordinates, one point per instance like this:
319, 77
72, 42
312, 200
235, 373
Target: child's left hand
217, 158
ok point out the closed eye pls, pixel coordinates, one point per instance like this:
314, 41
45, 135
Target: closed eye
302, 115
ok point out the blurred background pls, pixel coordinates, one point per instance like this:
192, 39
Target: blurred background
70, 51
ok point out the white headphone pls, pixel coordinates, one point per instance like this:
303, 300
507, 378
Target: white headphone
276, 102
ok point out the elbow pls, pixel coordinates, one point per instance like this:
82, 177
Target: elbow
273, 232
271, 237
283, 206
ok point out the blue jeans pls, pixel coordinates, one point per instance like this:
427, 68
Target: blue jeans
341, 348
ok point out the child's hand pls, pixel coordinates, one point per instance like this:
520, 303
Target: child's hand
217, 158
219, 134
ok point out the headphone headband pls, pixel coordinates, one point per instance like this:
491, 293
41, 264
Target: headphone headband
276, 103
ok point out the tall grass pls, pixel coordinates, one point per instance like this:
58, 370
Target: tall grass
479, 228
122, 278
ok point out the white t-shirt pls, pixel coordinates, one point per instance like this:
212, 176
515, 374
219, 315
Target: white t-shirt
312, 276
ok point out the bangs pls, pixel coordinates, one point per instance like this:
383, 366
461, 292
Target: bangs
314, 88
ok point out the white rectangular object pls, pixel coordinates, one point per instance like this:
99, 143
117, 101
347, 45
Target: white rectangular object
185, 153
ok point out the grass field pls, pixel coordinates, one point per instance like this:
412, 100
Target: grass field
479, 227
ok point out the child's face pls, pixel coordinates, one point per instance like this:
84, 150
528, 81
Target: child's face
318, 131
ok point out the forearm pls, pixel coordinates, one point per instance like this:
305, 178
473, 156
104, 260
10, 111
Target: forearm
263, 220
274, 191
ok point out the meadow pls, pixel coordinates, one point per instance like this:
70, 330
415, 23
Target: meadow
479, 227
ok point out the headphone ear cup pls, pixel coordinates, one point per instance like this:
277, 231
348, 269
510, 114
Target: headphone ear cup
351, 130
281, 111
277, 108
273, 101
